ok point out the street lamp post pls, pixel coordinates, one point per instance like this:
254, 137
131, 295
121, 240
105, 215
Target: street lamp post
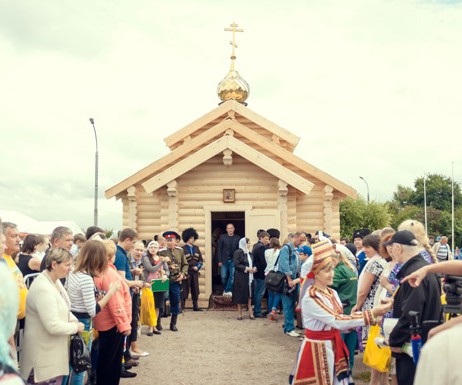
367, 188
95, 218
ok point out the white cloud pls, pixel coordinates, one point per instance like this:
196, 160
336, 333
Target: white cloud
371, 87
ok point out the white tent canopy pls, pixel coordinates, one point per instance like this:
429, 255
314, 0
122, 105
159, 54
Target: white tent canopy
30, 225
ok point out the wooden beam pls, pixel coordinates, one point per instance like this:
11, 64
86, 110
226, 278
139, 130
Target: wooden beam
186, 164
266, 124
232, 105
291, 158
228, 142
198, 123
222, 127
172, 157
270, 165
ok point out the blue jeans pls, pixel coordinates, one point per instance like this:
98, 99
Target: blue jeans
259, 291
227, 275
77, 378
174, 294
288, 306
273, 300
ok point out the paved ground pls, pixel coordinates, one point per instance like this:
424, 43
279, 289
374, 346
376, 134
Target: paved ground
214, 348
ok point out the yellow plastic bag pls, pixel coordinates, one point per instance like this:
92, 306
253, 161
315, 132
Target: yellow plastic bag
148, 314
375, 357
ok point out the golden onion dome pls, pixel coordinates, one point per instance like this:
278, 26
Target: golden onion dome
233, 87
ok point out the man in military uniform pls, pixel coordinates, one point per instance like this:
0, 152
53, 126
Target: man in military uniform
194, 257
178, 266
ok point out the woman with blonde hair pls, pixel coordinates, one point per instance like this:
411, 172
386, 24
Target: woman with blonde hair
418, 229
113, 323
45, 351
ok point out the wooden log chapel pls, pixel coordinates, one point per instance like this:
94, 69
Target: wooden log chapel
230, 165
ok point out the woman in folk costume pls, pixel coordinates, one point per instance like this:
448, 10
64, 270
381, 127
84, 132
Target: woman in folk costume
323, 357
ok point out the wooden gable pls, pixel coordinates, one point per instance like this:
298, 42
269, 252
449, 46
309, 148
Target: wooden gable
235, 111
195, 144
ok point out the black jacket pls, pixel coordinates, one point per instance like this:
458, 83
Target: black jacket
425, 299
259, 260
241, 288
227, 246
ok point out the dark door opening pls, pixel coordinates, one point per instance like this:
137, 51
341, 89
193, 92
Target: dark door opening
219, 222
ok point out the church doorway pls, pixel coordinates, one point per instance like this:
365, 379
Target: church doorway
219, 221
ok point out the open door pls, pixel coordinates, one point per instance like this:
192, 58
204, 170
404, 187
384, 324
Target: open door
219, 221
263, 219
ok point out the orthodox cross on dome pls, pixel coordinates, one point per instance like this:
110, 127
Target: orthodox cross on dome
233, 29
233, 86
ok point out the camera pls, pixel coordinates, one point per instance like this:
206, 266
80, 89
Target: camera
453, 289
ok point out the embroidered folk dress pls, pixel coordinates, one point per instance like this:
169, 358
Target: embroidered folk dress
323, 357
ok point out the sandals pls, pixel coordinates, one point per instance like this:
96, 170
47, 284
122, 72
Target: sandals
239, 318
251, 317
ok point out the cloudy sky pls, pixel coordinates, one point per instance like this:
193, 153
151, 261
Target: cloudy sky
373, 88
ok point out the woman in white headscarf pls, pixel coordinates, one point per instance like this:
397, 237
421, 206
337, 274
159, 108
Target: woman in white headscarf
243, 278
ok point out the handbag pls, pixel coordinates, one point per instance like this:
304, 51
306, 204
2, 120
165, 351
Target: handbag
374, 356
80, 359
276, 280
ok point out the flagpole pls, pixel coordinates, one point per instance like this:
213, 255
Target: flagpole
425, 203
452, 188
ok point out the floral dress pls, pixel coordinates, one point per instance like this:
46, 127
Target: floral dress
374, 266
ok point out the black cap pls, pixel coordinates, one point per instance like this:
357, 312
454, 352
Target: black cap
361, 233
404, 237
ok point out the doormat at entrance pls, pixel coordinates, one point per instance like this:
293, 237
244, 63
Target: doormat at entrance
221, 303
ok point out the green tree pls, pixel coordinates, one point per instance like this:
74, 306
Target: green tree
356, 214
408, 203
439, 192
403, 196
407, 212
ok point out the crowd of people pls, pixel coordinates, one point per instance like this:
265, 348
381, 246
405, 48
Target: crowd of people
337, 291
341, 296
101, 289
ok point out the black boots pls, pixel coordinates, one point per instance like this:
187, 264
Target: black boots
173, 323
159, 325
195, 306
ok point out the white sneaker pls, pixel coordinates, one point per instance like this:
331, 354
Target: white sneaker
293, 333
140, 354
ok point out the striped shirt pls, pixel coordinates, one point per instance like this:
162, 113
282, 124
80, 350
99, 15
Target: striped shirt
443, 253
81, 291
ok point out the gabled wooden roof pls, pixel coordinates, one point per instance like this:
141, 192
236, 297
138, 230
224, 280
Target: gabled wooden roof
222, 110
219, 135
218, 146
